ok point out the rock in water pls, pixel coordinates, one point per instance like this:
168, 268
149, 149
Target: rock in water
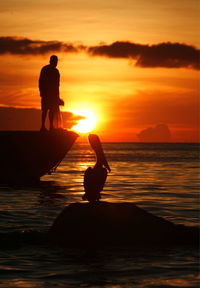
104, 223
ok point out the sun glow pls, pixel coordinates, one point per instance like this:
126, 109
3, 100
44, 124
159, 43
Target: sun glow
87, 124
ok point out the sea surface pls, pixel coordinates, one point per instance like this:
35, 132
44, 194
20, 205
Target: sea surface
163, 178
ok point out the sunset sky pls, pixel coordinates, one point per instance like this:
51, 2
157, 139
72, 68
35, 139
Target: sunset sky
134, 64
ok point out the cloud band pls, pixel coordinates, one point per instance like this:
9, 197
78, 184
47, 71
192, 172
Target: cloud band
166, 55
25, 46
169, 55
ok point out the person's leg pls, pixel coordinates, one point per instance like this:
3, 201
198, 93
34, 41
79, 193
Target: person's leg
44, 115
51, 118
44, 108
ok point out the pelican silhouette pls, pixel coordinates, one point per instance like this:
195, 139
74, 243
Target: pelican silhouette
95, 178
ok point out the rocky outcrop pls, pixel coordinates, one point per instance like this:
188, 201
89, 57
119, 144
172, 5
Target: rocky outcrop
28, 155
104, 223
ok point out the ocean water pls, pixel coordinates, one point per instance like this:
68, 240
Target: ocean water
164, 179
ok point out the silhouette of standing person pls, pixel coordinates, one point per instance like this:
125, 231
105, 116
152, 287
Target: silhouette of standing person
49, 83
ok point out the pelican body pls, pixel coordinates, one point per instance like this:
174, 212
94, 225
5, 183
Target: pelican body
95, 178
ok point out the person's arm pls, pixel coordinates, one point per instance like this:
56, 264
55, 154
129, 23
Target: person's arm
58, 84
41, 83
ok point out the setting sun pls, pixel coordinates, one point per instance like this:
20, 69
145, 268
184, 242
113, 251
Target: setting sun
87, 124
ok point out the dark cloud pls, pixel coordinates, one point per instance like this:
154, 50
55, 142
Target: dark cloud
159, 133
25, 46
169, 55
30, 119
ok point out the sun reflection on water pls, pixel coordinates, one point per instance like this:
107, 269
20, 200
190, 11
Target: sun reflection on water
24, 283
166, 186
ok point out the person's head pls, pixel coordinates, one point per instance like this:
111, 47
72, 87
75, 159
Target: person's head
53, 60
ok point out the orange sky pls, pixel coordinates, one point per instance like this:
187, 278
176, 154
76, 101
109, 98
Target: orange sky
127, 95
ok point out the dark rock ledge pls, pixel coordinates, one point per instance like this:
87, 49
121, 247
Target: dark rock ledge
104, 223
